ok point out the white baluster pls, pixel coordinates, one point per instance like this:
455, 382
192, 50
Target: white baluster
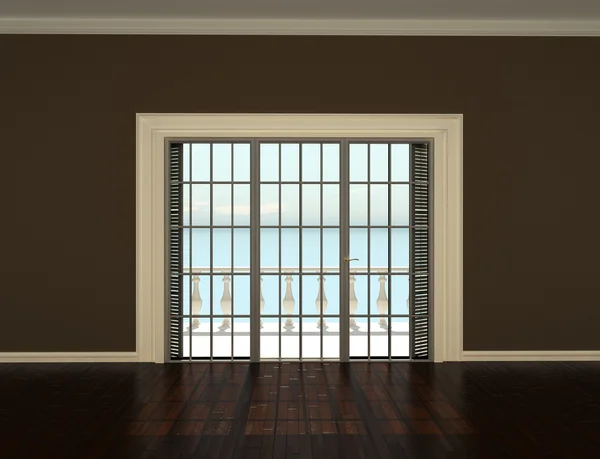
196, 302
225, 303
353, 303
382, 302
262, 303
289, 303
321, 302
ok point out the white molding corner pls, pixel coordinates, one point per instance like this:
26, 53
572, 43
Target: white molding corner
383, 27
153, 130
67, 357
530, 356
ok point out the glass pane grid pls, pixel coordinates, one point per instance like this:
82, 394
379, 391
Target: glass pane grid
299, 203
217, 183
383, 179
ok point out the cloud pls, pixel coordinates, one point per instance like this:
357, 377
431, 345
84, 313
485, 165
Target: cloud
196, 206
244, 209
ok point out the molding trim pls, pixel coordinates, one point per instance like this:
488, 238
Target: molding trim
390, 27
154, 130
530, 356
67, 357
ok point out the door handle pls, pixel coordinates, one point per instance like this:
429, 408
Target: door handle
348, 259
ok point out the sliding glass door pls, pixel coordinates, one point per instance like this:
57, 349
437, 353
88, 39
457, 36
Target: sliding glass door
298, 250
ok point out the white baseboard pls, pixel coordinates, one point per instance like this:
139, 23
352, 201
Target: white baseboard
67, 357
530, 356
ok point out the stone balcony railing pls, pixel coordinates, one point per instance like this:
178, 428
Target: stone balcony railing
289, 302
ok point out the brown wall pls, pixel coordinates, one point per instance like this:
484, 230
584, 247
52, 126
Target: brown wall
67, 170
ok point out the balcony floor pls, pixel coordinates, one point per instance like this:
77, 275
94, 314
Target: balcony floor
290, 342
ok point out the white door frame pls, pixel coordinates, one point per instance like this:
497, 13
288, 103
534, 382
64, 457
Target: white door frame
153, 130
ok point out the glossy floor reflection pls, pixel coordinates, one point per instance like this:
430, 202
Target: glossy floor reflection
310, 410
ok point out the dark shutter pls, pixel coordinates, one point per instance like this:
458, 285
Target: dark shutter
175, 250
420, 267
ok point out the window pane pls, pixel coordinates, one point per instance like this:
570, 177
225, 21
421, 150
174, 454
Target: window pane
379, 205
379, 294
241, 249
241, 205
200, 205
400, 294
400, 205
269, 339
200, 248
331, 205
379, 249
358, 247
221, 205
400, 247
270, 293
269, 248
358, 162
400, 162
311, 162
221, 159
269, 205
379, 338
222, 252
186, 217
241, 340
290, 201
331, 287
311, 339
379, 162
331, 338
311, 204
331, 249
331, 162
200, 162
290, 162
290, 248
222, 338
358, 294
221, 284
311, 249
241, 295
200, 294
289, 295
269, 162
241, 162
290, 338
358, 205
400, 337
186, 163
200, 339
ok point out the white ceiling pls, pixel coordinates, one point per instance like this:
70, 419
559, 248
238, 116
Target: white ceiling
530, 10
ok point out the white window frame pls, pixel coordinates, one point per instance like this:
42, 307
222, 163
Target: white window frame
153, 130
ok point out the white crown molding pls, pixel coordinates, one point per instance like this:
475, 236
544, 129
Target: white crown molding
67, 357
390, 27
530, 356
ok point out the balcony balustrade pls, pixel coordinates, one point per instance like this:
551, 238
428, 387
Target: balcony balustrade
289, 302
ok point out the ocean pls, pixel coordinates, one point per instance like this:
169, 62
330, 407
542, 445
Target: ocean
274, 285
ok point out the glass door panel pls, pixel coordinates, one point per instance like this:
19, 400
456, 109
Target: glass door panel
379, 229
299, 250
216, 250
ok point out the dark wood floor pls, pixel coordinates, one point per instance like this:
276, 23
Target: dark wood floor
311, 410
